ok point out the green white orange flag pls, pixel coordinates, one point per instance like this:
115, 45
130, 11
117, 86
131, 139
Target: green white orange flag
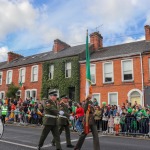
88, 89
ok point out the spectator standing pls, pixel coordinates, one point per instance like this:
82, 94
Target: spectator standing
117, 123
98, 117
111, 124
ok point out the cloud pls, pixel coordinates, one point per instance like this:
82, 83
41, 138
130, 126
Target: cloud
3, 53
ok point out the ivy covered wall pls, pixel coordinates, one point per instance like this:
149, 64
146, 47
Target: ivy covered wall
59, 81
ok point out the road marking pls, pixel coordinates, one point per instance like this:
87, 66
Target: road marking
49, 145
13, 143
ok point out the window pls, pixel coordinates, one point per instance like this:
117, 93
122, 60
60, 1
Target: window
22, 75
113, 98
31, 93
34, 73
108, 72
1, 78
93, 73
127, 70
97, 97
51, 72
9, 77
2, 94
149, 66
68, 70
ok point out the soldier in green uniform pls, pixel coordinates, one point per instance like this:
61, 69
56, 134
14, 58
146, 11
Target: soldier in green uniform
63, 120
50, 121
92, 126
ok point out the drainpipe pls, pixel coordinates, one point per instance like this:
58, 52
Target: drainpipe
141, 60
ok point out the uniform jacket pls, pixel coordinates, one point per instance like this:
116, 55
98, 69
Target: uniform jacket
52, 109
64, 121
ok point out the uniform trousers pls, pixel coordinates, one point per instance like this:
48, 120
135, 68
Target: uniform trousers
55, 133
96, 144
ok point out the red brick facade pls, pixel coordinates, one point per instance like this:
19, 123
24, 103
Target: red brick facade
28, 85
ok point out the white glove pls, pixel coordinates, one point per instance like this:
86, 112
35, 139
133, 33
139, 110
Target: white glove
61, 112
71, 118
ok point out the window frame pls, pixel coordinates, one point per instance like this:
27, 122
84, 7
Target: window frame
109, 93
7, 76
123, 71
99, 97
30, 90
32, 73
3, 93
108, 62
24, 68
91, 64
51, 72
68, 69
1, 80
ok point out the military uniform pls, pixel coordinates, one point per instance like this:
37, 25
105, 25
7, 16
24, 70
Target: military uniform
92, 126
50, 124
63, 122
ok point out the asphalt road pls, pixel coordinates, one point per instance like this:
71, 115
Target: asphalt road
26, 138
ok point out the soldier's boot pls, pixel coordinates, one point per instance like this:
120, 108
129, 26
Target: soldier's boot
70, 146
38, 148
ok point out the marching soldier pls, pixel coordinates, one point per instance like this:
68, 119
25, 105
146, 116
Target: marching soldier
50, 121
91, 125
63, 120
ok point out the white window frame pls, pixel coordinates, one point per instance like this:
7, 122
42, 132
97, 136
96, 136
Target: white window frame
149, 67
112, 72
1, 80
122, 70
109, 97
3, 93
67, 69
52, 72
99, 98
94, 74
32, 73
20, 75
7, 76
30, 90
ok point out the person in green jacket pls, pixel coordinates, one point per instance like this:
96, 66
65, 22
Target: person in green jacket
50, 121
4, 109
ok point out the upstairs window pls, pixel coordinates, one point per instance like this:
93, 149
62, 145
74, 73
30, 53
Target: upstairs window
127, 70
22, 75
9, 77
51, 72
93, 73
68, 70
1, 78
34, 73
108, 72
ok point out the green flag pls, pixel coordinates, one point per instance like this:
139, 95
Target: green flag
20, 84
88, 74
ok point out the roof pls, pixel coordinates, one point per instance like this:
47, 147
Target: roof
121, 50
68, 52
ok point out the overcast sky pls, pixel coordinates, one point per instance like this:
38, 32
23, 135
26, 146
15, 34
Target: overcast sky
30, 26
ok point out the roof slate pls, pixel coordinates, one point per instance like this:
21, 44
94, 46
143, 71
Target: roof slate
123, 49
71, 51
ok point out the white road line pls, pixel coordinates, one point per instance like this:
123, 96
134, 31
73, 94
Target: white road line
33, 147
49, 145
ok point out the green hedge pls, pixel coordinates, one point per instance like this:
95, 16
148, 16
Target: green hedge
59, 81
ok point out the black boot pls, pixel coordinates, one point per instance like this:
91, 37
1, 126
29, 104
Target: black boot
70, 146
38, 148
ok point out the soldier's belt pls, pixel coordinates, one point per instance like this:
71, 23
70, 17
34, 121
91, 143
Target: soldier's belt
62, 116
51, 116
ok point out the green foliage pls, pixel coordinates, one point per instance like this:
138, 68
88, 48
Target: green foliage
12, 90
59, 81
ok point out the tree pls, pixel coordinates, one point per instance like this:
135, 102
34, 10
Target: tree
12, 90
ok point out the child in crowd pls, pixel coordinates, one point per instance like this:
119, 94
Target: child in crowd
111, 124
117, 123
122, 122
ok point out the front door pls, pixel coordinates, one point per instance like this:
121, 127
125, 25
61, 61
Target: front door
147, 95
72, 93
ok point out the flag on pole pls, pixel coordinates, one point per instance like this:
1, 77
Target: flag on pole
20, 84
88, 74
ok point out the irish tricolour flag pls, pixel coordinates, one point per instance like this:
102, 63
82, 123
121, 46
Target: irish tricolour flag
88, 74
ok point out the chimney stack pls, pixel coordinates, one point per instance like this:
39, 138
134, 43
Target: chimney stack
12, 56
97, 40
147, 33
59, 45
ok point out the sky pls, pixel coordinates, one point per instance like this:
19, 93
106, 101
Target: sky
28, 27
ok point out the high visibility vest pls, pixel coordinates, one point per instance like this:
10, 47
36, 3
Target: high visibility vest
4, 110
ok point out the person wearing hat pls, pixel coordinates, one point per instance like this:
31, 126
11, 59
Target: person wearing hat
50, 121
92, 125
63, 120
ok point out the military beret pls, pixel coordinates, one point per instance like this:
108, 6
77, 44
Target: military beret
53, 93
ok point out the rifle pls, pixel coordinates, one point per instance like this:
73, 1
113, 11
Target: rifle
86, 124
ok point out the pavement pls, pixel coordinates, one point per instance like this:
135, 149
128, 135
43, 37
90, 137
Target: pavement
26, 138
